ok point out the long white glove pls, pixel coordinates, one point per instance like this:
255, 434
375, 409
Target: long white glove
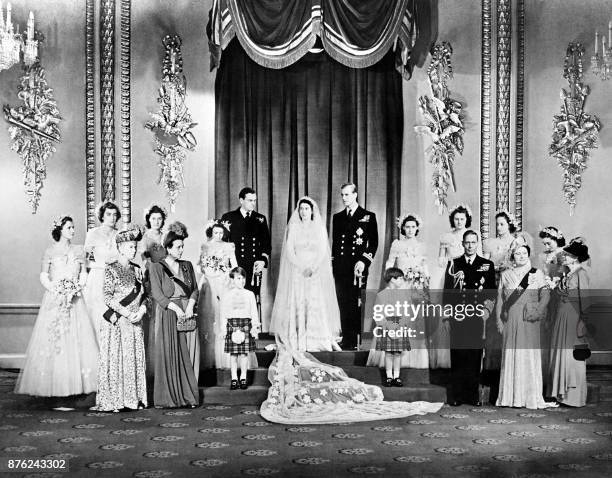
45, 281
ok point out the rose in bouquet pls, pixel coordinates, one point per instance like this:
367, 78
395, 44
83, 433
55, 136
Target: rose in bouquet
64, 291
417, 277
218, 264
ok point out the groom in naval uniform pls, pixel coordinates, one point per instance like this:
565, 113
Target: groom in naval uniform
354, 243
250, 234
469, 285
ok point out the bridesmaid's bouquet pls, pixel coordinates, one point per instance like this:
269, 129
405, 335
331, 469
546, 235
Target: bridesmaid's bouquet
66, 290
216, 263
416, 277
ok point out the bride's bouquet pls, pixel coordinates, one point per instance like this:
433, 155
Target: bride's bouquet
417, 277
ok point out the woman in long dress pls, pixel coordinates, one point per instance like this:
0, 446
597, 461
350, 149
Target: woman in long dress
499, 249
62, 356
101, 248
451, 247
175, 292
217, 259
521, 305
567, 376
151, 249
551, 263
121, 378
408, 254
306, 309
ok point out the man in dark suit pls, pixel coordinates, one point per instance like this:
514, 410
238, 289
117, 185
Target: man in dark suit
469, 285
354, 243
250, 234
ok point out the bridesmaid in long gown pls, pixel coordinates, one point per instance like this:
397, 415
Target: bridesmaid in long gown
217, 259
101, 248
451, 247
176, 383
498, 250
121, 378
521, 304
408, 254
151, 249
567, 376
62, 356
551, 263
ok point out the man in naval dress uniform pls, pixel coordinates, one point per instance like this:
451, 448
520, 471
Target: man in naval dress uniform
469, 285
354, 243
250, 234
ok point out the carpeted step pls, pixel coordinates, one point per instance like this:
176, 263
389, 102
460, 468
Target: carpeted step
414, 393
376, 376
257, 376
371, 375
340, 359
605, 393
254, 395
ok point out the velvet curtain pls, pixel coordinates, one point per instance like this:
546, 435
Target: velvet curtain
304, 130
356, 33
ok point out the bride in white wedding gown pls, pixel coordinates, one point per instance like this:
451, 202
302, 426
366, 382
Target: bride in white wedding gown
306, 312
305, 317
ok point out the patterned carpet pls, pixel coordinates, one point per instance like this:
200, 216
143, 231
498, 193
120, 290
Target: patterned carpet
227, 441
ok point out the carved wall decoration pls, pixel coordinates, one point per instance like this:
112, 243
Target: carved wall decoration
172, 123
107, 97
90, 122
33, 128
519, 116
504, 51
575, 132
485, 120
444, 124
126, 146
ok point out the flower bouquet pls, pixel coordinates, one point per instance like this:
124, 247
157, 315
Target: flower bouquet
64, 291
416, 277
216, 263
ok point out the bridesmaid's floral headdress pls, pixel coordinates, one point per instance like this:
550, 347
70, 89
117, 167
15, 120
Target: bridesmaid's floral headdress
462, 205
551, 231
401, 219
57, 222
216, 222
509, 216
147, 210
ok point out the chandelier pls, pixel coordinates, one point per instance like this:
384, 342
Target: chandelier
602, 64
12, 43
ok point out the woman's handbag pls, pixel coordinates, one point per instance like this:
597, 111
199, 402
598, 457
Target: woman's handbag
581, 351
186, 324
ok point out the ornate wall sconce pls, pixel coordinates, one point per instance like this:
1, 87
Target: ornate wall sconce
444, 124
602, 64
172, 123
575, 131
34, 129
12, 43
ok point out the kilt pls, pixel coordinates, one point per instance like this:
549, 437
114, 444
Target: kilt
245, 347
393, 344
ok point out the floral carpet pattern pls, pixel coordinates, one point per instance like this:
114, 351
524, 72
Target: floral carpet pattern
227, 441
